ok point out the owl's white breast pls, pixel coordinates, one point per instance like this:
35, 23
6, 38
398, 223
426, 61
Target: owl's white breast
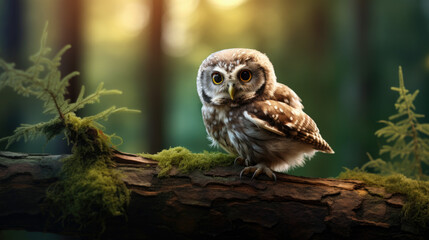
220, 125
227, 127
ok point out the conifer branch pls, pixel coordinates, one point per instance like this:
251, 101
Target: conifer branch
403, 130
43, 80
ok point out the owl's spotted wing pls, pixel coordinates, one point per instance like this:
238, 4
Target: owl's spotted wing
284, 120
284, 94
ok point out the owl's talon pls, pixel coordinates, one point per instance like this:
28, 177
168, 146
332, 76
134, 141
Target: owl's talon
271, 175
256, 173
245, 170
241, 173
257, 170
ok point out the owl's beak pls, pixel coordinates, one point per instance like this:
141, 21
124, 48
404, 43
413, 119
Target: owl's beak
231, 91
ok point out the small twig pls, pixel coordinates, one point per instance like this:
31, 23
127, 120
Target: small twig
56, 105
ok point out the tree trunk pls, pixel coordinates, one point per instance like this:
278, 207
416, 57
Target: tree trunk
71, 16
155, 76
212, 204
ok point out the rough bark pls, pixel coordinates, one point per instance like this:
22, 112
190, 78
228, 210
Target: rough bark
212, 204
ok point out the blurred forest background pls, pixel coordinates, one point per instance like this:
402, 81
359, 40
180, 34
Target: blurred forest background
341, 57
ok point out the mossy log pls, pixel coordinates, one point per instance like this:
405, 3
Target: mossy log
214, 204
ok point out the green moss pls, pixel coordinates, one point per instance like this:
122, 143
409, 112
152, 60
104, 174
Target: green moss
89, 190
416, 208
187, 161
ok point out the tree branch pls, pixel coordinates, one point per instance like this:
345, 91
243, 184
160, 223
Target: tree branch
212, 204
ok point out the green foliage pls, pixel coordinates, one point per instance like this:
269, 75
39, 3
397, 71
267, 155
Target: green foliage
406, 138
43, 80
89, 189
50, 129
416, 208
187, 161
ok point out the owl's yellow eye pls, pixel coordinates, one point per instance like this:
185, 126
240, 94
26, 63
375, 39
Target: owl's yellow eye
245, 75
217, 78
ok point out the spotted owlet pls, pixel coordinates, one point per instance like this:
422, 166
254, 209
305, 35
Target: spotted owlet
249, 114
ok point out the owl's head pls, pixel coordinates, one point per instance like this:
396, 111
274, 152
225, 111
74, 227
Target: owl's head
235, 76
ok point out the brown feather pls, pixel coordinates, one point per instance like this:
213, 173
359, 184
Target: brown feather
292, 122
284, 94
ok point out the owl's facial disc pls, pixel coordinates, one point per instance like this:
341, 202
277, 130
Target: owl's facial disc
232, 85
225, 85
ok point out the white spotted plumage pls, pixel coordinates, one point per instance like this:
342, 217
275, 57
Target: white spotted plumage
252, 116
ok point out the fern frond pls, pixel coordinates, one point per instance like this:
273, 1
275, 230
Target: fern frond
90, 99
423, 128
104, 115
31, 131
376, 164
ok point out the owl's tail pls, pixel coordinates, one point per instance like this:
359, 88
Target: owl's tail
323, 146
